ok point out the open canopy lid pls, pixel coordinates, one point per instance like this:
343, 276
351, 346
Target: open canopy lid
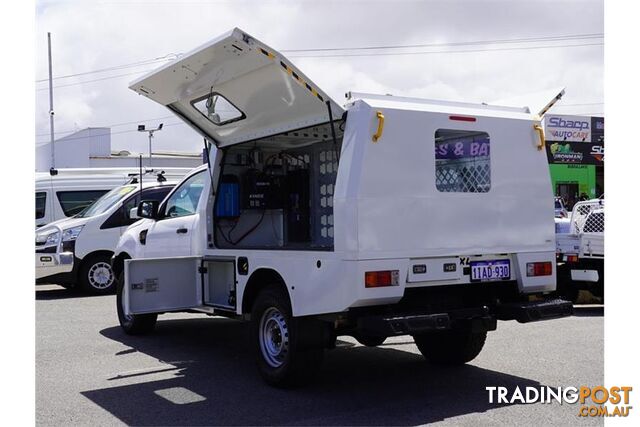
537, 103
235, 89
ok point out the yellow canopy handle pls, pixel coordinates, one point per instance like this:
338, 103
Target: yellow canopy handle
378, 134
540, 131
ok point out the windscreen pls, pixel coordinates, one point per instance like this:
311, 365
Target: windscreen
105, 202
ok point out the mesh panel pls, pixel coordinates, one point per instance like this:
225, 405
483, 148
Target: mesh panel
327, 165
588, 217
467, 176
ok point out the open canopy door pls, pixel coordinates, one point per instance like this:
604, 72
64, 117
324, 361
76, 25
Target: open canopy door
235, 89
538, 103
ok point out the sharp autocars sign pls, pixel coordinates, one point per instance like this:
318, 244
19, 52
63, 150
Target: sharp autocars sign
567, 128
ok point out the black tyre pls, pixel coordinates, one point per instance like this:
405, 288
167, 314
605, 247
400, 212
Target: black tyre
451, 347
96, 275
370, 340
568, 291
283, 361
133, 324
566, 288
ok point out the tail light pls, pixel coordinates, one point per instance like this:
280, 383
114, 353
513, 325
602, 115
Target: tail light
378, 279
572, 258
539, 269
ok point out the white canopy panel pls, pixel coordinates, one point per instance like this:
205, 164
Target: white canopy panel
235, 89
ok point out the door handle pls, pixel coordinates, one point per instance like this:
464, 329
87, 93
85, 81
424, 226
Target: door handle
181, 231
378, 133
540, 131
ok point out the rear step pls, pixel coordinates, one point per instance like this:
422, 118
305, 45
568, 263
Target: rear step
533, 311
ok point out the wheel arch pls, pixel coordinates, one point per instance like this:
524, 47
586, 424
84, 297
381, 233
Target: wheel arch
117, 262
258, 280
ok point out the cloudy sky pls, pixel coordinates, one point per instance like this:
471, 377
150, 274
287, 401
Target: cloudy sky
476, 51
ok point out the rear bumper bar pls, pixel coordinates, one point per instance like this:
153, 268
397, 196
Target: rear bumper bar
479, 319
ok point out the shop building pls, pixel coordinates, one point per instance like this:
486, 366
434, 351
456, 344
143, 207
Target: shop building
575, 150
91, 148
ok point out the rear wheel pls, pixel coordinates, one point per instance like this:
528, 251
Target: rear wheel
132, 324
451, 347
96, 275
282, 358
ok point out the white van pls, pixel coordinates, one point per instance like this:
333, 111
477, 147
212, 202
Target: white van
77, 251
63, 193
392, 216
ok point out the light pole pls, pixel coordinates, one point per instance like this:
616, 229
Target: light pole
142, 128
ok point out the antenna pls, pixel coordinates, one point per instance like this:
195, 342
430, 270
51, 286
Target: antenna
140, 195
51, 113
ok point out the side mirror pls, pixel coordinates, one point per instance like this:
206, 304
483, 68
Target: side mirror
148, 209
133, 213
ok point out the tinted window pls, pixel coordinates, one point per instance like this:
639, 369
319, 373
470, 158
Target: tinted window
184, 201
74, 202
463, 161
156, 194
41, 202
120, 218
107, 201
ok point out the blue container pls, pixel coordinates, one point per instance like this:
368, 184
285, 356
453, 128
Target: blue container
228, 205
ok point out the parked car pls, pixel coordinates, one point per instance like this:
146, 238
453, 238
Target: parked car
77, 251
580, 251
391, 216
63, 193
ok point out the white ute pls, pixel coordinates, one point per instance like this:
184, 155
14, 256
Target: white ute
77, 251
580, 251
393, 216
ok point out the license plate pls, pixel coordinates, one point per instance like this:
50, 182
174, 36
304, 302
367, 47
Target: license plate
489, 271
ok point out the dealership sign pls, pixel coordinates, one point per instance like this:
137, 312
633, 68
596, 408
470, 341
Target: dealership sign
597, 129
575, 153
567, 128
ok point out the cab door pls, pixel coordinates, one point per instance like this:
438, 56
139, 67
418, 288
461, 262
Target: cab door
171, 234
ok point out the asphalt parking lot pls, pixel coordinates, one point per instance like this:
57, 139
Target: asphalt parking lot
197, 370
